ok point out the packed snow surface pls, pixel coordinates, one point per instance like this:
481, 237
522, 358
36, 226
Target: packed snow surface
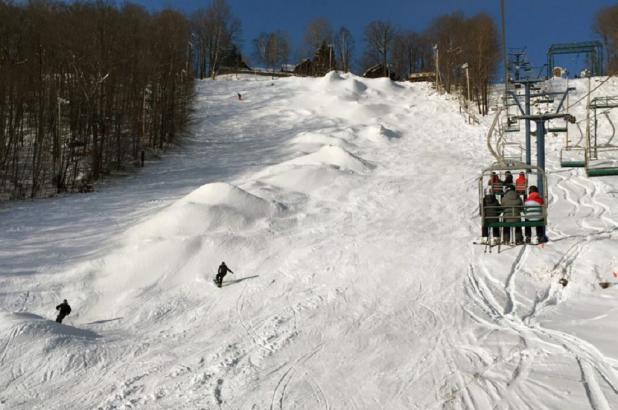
347, 209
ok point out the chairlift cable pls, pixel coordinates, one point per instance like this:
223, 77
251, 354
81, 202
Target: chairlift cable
590, 92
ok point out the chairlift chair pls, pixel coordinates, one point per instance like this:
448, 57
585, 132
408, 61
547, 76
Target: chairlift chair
604, 164
534, 174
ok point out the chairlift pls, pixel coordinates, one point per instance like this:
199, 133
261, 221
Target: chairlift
605, 162
511, 151
533, 174
573, 156
602, 160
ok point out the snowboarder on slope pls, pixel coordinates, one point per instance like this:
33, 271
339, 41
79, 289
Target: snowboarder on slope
64, 310
223, 270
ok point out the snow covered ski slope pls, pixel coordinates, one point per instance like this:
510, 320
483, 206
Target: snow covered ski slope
347, 209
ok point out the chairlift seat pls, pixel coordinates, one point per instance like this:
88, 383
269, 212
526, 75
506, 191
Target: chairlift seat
572, 164
602, 172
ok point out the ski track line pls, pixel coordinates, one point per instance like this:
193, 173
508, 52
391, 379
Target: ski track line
8, 343
604, 209
509, 287
593, 390
279, 391
249, 330
591, 202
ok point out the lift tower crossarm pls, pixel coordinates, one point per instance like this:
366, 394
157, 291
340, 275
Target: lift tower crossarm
540, 120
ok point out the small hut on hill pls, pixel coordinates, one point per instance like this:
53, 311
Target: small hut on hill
378, 71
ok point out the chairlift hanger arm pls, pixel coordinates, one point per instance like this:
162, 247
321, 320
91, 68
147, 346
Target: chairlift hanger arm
564, 98
512, 93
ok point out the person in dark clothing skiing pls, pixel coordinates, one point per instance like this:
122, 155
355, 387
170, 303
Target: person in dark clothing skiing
223, 270
64, 310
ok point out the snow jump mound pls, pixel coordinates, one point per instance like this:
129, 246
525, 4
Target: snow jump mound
336, 157
209, 208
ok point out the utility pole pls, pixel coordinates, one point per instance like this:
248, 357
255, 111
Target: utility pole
504, 51
466, 67
436, 56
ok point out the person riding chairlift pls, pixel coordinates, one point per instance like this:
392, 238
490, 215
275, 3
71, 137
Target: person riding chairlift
534, 212
521, 183
496, 183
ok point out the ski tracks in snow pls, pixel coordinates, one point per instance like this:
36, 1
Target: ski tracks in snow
279, 393
535, 341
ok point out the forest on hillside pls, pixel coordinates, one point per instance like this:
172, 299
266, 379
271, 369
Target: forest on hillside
93, 88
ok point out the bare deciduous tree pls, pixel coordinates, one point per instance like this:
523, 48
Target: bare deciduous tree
379, 36
85, 87
344, 44
318, 31
272, 49
411, 53
215, 30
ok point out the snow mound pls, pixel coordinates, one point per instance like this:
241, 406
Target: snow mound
15, 326
379, 132
336, 157
308, 138
343, 86
209, 208
311, 172
304, 179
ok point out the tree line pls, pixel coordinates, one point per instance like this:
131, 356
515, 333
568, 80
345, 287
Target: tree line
454, 39
85, 89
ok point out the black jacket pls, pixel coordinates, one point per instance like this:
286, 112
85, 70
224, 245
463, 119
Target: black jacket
491, 209
223, 269
64, 308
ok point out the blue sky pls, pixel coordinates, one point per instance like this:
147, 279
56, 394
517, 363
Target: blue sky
534, 24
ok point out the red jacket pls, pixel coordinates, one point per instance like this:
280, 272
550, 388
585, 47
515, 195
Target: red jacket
521, 183
534, 196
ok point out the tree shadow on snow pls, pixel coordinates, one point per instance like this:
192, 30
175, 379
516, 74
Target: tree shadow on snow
232, 282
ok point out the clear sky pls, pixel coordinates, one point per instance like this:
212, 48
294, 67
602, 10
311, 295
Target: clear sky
534, 24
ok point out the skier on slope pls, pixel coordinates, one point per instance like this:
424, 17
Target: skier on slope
223, 270
64, 310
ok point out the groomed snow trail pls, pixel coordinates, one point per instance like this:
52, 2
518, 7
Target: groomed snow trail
346, 208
